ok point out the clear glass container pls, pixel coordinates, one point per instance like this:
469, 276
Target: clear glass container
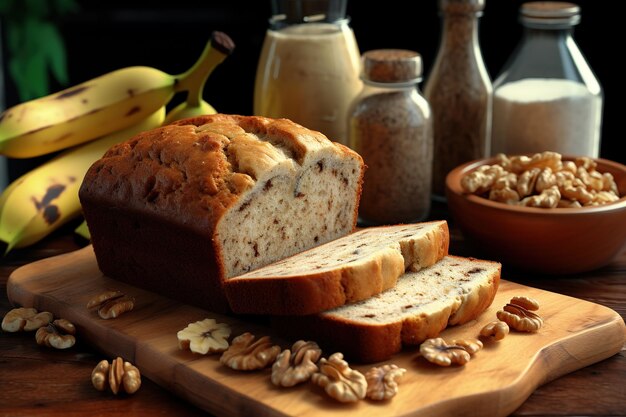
459, 91
547, 97
390, 126
308, 70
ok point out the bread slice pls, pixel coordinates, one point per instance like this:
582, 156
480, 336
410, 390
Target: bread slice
345, 270
422, 304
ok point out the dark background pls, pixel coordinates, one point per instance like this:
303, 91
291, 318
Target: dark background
107, 35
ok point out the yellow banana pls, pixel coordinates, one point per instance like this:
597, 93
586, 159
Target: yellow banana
45, 198
94, 108
217, 50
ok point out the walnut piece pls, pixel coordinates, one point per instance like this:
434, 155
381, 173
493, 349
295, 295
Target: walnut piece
205, 336
26, 319
111, 304
382, 382
244, 354
59, 334
294, 368
496, 330
519, 315
542, 180
119, 376
339, 380
438, 351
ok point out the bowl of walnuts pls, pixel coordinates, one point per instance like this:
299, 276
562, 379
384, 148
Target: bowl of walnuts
545, 213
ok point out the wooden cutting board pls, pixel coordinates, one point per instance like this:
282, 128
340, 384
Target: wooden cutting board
497, 380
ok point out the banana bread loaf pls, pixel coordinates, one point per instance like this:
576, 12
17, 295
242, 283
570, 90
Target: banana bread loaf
181, 208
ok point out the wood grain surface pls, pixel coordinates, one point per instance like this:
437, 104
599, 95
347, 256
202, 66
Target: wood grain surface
499, 379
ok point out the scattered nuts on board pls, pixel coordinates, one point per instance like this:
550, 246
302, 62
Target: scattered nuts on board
496, 330
518, 315
382, 382
205, 336
542, 180
118, 376
111, 304
27, 319
244, 354
59, 334
438, 351
295, 366
339, 381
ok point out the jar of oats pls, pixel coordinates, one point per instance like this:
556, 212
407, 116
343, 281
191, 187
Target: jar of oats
390, 126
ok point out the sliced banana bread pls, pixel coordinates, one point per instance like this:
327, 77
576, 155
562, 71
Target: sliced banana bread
421, 305
345, 270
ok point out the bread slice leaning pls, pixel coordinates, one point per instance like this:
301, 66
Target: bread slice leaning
453, 291
346, 270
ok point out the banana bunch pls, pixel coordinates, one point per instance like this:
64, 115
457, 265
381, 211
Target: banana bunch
88, 118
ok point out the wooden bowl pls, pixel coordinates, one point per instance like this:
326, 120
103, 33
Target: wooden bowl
546, 241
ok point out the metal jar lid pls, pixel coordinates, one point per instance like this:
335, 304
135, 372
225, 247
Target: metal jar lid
392, 66
550, 14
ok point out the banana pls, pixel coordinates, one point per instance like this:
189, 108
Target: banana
45, 198
220, 46
95, 108
82, 230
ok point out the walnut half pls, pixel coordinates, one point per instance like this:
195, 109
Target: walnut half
205, 336
438, 351
111, 304
339, 380
519, 315
244, 354
119, 376
59, 334
295, 366
27, 319
382, 382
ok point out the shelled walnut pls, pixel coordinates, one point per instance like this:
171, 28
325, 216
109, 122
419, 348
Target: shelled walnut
496, 330
459, 352
205, 336
295, 366
111, 304
27, 319
519, 315
382, 382
339, 380
119, 376
542, 180
244, 354
59, 334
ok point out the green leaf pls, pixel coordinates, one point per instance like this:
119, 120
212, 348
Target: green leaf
54, 51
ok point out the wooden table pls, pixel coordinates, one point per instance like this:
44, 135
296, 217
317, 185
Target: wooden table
44, 382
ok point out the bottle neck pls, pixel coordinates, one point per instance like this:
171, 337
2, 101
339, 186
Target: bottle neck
460, 31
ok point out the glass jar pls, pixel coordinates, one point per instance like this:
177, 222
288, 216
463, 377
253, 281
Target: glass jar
308, 70
459, 91
391, 128
547, 97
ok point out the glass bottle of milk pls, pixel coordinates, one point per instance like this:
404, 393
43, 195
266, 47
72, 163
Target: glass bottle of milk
309, 66
547, 97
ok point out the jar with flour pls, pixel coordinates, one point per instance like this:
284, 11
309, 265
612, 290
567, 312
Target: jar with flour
547, 97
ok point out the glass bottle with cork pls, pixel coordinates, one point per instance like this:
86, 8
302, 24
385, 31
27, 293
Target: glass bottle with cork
390, 126
547, 97
459, 91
